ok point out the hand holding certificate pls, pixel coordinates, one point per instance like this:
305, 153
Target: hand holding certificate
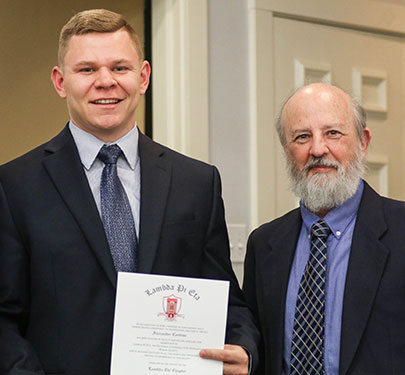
235, 359
162, 322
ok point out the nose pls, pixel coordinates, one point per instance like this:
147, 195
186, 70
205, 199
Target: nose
105, 78
319, 146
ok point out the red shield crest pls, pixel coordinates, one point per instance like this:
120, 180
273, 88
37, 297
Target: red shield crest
171, 306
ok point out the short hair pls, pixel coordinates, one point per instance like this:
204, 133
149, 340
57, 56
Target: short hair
358, 111
95, 21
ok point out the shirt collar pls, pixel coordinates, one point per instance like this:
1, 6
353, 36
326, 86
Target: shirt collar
339, 218
88, 145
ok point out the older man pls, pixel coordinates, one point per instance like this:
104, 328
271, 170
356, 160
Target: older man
99, 198
327, 280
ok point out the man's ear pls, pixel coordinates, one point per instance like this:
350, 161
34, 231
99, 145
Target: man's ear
58, 81
145, 75
365, 139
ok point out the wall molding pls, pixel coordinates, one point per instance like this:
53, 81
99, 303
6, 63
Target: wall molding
381, 16
180, 76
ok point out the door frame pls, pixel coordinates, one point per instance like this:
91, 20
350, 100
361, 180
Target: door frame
374, 16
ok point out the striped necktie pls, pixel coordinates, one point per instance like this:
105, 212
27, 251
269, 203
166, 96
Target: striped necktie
307, 347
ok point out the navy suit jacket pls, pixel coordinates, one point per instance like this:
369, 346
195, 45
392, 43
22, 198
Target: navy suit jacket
373, 319
57, 278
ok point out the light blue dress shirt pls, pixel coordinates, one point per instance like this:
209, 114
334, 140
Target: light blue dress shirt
128, 167
341, 221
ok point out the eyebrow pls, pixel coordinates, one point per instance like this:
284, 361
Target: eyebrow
120, 61
323, 127
84, 63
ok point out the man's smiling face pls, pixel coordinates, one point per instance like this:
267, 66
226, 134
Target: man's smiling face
319, 123
323, 147
102, 80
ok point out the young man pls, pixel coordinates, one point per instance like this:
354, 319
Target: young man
100, 198
327, 280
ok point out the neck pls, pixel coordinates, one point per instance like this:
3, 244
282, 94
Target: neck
321, 213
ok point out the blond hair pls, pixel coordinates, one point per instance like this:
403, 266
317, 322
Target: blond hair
95, 21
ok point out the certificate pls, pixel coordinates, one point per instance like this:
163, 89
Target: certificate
162, 322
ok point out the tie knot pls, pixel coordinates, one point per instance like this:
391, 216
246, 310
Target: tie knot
320, 229
109, 154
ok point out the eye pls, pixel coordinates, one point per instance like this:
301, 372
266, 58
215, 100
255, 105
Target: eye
120, 69
334, 133
301, 138
86, 70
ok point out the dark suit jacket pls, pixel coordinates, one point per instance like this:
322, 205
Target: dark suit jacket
57, 279
373, 321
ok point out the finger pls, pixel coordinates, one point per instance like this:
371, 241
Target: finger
216, 354
238, 354
231, 354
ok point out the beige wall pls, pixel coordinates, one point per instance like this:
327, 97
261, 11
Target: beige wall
30, 110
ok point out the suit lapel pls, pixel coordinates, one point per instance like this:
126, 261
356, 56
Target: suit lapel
155, 183
65, 169
366, 266
276, 268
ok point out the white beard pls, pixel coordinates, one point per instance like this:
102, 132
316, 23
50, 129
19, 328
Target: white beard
324, 191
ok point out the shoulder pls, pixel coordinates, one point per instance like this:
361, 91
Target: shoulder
372, 204
178, 161
23, 165
28, 163
380, 216
291, 219
394, 213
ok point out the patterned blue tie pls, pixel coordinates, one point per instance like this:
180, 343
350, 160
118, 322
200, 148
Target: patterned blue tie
307, 345
116, 213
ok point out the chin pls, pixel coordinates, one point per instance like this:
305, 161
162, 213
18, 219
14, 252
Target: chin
106, 124
331, 173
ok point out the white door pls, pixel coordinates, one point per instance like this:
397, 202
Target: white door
365, 64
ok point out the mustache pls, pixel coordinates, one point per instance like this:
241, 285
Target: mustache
320, 162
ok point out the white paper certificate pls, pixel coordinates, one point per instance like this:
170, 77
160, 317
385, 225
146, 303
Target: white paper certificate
162, 322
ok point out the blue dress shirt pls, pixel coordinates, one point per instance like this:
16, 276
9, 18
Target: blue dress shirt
128, 167
341, 221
